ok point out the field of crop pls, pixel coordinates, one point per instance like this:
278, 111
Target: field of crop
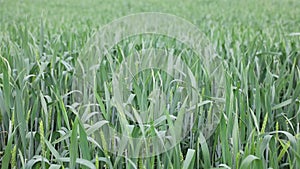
245, 116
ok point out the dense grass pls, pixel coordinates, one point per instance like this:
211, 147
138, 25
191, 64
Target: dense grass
44, 125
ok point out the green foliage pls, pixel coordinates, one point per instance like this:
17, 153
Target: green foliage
43, 125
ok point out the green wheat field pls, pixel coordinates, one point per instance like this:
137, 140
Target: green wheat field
46, 123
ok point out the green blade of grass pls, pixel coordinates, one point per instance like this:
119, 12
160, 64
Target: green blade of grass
189, 159
74, 145
247, 162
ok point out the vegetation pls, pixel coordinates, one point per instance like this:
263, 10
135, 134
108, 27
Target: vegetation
43, 124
